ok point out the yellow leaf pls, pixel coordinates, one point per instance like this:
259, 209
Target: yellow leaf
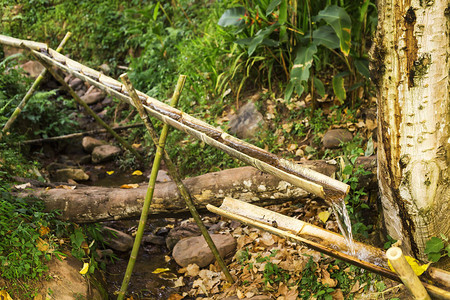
414, 263
4, 295
84, 269
109, 172
160, 270
324, 215
44, 230
129, 186
137, 173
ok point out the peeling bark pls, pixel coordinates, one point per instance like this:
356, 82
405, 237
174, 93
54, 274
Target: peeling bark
411, 52
91, 204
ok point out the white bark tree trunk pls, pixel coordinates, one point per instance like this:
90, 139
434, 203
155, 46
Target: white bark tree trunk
410, 66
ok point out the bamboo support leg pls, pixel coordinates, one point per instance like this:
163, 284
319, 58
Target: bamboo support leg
88, 109
31, 91
148, 197
406, 274
174, 174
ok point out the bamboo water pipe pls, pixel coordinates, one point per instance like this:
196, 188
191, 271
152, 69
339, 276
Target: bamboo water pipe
322, 240
311, 181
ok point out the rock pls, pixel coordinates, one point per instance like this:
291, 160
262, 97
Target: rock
154, 239
65, 282
333, 137
163, 176
93, 95
70, 173
117, 240
104, 153
195, 250
247, 122
105, 68
33, 68
89, 143
176, 234
75, 83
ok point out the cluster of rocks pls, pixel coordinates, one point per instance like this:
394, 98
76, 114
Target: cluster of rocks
185, 241
97, 151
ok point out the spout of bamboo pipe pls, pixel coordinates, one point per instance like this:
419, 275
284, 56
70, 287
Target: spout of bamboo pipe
406, 274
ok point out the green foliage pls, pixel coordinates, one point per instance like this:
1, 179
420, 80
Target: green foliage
85, 240
357, 199
22, 221
46, 114
285, 36
437, 248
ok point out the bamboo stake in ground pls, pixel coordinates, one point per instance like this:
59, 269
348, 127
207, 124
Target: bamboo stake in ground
406, 274
148, 197
31, 91
88, 109
174, 174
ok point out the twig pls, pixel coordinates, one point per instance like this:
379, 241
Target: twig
79, 134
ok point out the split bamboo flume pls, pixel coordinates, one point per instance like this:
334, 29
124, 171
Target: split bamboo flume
311, 181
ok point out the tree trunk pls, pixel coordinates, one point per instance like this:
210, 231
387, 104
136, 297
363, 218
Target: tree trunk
93, 203
410, 66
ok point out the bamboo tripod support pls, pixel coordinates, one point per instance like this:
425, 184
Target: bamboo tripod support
149, 195
174, 174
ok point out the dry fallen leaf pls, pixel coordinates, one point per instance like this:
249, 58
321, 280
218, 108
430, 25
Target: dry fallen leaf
129, 186
42, 245
4, 295
22, 187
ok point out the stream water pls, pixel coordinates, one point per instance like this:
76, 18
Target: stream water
343, 219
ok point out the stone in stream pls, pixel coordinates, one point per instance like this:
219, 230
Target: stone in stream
188, 229
105, 153
195, 250
117, 240
70, 174
334, 137
89, 143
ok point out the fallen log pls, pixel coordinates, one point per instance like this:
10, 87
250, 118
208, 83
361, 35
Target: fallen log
91, 204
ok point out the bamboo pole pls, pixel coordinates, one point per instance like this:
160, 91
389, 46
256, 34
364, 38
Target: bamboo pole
313, 182
148, 197
79, 134
174, 174
437, 292
87, 108
31, 91
406, 274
